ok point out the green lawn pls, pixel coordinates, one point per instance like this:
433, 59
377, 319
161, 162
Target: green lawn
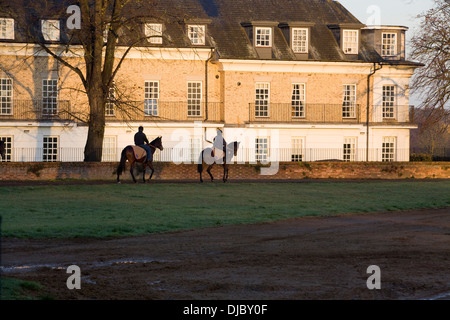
113, 210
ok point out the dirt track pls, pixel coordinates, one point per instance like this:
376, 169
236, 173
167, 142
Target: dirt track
305, 258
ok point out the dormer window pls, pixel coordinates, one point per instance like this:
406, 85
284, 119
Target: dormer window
263, 37
50, 30
153, 32
196, 34
300, 40
350, 41
389, 44
6, 29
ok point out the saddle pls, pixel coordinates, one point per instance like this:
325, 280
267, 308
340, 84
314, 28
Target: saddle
139, 152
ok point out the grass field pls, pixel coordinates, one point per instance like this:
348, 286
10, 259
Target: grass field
67, 211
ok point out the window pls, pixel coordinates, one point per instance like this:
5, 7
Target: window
300, 40
196, 34
8, 147
49, 97
50, 30
5, 96
262, 99
263, 37
298, 100
50, 149
388, 149
194, 99
297, 149
153, 32
350, 41
6, 29
109, 148
349, 152
151, 98
261, 149
389, 44
349, 103
388, 102
110, 109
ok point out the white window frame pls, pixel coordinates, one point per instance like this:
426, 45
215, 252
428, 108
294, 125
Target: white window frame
349, 149
388, 149
262, 149
6, 29
262, 99
350, 41
153, 32
50, 30
298, 100
196, 34
388, 44
389, 95
151, 98
50, 148
8, 148
110, 106
109, 150
297, 149
49, 97
6, 96
300, 42
349, 101
263, 37
194, 98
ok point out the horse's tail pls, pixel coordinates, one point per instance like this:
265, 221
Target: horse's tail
123, 160
200, 163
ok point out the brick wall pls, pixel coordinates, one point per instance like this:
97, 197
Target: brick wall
169, 171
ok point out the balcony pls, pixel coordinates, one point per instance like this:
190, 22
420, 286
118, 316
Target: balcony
392, 114
155, 110
308, 113
35, 110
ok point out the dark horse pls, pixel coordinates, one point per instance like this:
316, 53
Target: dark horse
128, 154
206, 156
2, 149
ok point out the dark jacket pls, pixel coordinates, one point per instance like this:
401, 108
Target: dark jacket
140, 138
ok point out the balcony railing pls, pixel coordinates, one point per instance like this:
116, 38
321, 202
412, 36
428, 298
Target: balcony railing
156, 110
33, 110
317, 113
392, 113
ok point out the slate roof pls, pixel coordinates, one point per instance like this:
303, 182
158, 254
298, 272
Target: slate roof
224, 19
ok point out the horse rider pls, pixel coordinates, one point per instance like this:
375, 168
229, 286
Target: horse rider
219, 145
140, 139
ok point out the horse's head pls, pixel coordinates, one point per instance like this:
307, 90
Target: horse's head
2, 148
234, 146
157, 143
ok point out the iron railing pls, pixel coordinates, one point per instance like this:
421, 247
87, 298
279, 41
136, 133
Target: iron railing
191, 155
156, 110
313, 113
35, 110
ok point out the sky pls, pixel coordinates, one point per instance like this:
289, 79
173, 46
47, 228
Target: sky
391, 12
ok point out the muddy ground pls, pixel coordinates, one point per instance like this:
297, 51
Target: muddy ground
298, 259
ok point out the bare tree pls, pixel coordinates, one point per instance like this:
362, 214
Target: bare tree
431, 46
106, 25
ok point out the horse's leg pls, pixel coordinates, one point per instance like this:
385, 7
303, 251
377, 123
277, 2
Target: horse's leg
150, 165
225, 172
143, 171
209, 172
201, 180
131, 171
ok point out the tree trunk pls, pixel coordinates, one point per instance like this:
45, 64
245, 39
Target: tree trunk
94, 144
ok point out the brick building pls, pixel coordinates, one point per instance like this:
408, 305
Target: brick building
292, 80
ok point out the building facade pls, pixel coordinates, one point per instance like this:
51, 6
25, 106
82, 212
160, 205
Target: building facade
291, 80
